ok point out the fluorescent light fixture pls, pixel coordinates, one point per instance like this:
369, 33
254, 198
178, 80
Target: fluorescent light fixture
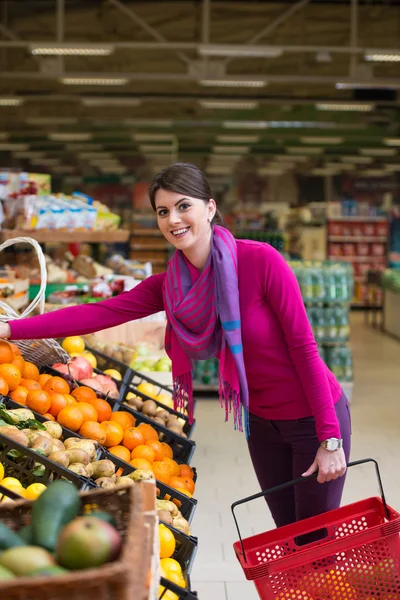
240, 50
51, 121
93, 102
245, 124
392, 168
11, 147
83, 147
94, 80
10, 101
69, 137
357, 160
374, 56
345, 106
304, 150
229, 104
367, 86
90, 155
334, 141
238, 139
155, 148
375, 173
378, 151
153, 137
392, 141
29, 154
230, 149
71, 50
256, 83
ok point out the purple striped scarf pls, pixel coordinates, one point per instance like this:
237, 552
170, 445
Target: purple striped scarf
203, 321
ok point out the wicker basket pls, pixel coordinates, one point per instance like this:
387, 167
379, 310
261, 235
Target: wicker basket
124, 579
40, 352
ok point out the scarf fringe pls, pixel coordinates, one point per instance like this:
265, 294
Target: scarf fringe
183, 394
230, 399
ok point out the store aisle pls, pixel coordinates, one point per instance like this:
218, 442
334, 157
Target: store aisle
225, 472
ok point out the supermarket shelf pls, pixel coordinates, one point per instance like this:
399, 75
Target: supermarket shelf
360, 278
149, 232
357, 258
69, 237
202, 387
358, 219
360, 239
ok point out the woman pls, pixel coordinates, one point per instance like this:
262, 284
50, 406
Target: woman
237, 300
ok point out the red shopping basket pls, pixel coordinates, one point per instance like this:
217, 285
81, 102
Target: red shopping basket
358, 557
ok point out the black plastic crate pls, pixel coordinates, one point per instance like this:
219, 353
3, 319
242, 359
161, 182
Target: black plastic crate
185, 553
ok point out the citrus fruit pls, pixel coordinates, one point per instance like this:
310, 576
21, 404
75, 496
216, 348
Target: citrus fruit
165, 399
88, 411
114, 374
92, 360
167, 541
34, 490
73, 344
11, 481
132, 437
70, 399
19, 395
43, 378
114, 433
15, 350
1, 472
166, 594
158, 449
162, 471
30, 371
124, 418
170, 565
92, 430
18, 362
177, 579
183, 491
186, 471
189, 484
120, 452
39, 401
168, 453
177, 482
11, 375
147, 388
84, 394
58, 402
103, 409
4, 388
30, 384
57, 384
143, 451
70, 417
148, 432
49, 417
174, 466
141, 463
6, 352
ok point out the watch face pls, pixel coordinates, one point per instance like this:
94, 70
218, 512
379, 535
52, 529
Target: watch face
332, 445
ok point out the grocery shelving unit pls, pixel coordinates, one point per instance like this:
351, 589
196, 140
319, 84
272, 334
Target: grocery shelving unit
45, 236
148, 244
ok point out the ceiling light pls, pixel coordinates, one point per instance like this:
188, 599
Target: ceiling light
228, 104
245, 125
378, 151
83, 147
70, 50
335, 106
230, 149
10, 101
367, 86
153, 137
257, 83
357, 160
300, 124
322, 140
11, 147
239, 139
375, 173
130, 102
370, 55
241, 50
304, 150
392, 141
94, 80
151, 148
271, 171
51, 121
69, 137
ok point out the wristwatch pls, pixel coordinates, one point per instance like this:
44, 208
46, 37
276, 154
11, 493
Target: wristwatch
332, 444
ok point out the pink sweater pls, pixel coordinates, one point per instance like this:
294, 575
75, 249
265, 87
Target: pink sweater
287, 379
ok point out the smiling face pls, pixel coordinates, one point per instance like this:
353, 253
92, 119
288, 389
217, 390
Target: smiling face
184, 221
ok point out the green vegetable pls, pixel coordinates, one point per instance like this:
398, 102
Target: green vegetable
56, 507
8, 538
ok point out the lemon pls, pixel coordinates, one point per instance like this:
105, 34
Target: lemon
74, 343
177, 579
9, 482
165, 400
167, 541
170, 565
148, 389
166, 594
130, 396
34, 490
92, 360
113, 373
1, 472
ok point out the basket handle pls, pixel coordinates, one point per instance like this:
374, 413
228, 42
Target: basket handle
289, 484
10, 313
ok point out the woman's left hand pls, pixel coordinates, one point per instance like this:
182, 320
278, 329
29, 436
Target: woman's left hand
330, 465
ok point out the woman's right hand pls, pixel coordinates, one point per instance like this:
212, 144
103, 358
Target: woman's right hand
5, 330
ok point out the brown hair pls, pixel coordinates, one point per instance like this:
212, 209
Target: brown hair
183, 178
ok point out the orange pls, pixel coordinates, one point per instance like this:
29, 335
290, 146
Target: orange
30, 371
84, 394
88, 411
19, 395
43, 378
162, 471
167, 450
124, 418
132, 437
149, 433
186, 471
143, 451
11, 375
56, 384
39, 401
93, 431
58, 402
158, 449
70, 417
177, 482
114, 433
70, 399
18, 362
6, 352
183, 491
4, 388
15, 350
121, 452
103, 410
175, 467
141, 463
49, 417
30, 384
189, 484
167, 541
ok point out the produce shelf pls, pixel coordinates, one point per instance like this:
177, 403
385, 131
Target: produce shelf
44, 236
185, 553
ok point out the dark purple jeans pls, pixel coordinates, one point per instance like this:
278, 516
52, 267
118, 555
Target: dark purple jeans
284, 450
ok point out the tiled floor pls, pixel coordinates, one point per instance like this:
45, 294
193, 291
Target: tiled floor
225, 472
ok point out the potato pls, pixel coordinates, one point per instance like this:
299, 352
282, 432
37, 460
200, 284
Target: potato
54, 429
159, 420
60, 457
123, 482
77, 455
79, 469
137, 403
15, 434
105, 482
176, 428
42, 445
141, 475
20, 414
168, 506
87, 446
181, 524
102, 468
164, 414
57, 445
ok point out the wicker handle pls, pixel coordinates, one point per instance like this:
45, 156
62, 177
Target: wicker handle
10, 313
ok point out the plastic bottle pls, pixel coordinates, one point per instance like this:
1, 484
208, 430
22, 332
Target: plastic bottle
331, 332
